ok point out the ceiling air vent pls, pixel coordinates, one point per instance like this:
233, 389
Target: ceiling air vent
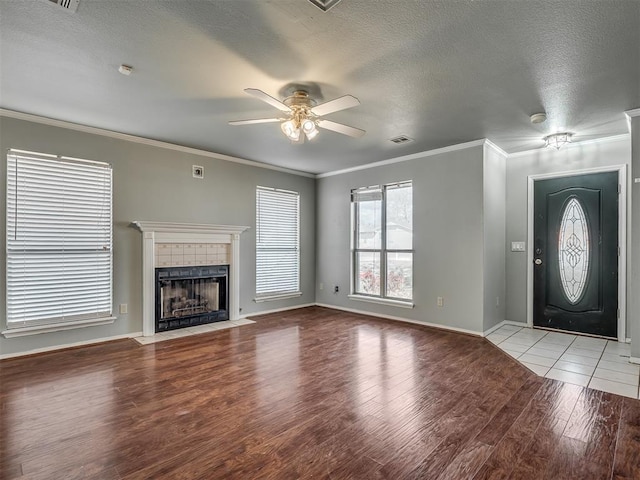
70, 5
401, 139
325, 5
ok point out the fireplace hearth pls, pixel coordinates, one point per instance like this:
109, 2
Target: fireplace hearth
188, 296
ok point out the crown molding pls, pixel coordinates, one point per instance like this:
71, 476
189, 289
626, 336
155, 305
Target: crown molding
633, 113
630, 114
495, 148
144, 141
405, 158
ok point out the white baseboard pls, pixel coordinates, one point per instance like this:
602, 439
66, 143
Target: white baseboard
517, 324
69, 345
276, 310
401, 319
493, 329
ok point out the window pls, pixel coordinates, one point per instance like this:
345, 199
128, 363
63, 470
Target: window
277, 243
59, 256
383, 241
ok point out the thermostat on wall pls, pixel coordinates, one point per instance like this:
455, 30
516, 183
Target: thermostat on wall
198, 171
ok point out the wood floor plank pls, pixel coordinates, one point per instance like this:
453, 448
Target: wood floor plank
518, 438
601, 445
627, 456
308, 393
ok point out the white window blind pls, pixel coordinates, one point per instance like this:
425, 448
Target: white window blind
277, 242
59, 255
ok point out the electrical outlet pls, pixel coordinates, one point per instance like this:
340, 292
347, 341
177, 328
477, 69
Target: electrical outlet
123, 308
336, 289
497, 301
322, 286
440, 301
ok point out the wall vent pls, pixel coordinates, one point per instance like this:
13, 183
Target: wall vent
325, 5
70, 5
401, 139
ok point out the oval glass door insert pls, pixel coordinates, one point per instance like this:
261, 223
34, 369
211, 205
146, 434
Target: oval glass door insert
573, 251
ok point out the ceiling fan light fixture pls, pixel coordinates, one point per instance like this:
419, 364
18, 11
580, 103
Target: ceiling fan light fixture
308, 125
304, 115
557, 140
312, 134
309, 128
290, 129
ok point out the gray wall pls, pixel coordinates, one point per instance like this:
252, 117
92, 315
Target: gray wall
633, 292
155, 184
569, 159
494, 173
448, 237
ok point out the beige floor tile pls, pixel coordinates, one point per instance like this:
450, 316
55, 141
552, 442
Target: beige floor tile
568, 377
614, 387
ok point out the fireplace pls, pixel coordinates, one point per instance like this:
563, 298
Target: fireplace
188, 296
156, 236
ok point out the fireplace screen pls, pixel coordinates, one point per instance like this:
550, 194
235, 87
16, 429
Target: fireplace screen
187, 296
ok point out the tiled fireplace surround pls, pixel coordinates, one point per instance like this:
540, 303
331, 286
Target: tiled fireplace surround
183, 244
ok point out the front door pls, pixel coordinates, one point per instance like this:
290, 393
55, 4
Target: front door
575, 254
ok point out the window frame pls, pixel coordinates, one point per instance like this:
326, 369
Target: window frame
266, 295
383, 251
26, 247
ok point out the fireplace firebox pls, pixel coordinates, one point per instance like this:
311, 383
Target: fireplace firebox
188, 296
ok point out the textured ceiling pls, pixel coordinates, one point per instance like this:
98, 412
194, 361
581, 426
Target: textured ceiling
441, 73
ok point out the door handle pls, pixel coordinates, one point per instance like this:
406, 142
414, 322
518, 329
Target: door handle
538, 261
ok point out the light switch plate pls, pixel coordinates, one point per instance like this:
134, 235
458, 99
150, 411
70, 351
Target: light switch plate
517, 246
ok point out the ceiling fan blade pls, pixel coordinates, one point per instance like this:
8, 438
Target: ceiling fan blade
274, 102
340, 128
257, 120
331, 106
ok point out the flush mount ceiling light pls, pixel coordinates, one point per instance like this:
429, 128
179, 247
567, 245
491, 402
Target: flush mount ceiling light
557, 140
304, 115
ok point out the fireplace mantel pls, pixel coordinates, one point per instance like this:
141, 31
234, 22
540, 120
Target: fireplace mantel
165, 232
194, 228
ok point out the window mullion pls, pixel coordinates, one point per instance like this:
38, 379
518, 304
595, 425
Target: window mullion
383, 246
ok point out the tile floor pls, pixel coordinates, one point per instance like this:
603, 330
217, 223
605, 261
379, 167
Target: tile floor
589, 362
185, 332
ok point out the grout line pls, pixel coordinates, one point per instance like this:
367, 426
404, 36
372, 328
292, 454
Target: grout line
591, 377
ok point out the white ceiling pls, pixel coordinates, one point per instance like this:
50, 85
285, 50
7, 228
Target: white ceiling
441, 72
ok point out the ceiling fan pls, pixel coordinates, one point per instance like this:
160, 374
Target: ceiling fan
302, 115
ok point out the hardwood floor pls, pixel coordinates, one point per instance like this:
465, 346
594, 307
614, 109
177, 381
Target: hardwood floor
309, 393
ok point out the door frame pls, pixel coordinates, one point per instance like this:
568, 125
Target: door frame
622, 238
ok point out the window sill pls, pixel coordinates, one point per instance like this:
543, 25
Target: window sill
55, 327
270, 298
383, 301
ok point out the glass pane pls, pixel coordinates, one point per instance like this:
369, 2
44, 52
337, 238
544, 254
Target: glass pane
400, 275
400, 218
368, 273
369, 224
573, 251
